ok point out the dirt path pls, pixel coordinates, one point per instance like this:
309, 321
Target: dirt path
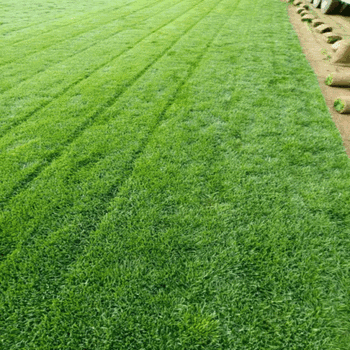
319, 54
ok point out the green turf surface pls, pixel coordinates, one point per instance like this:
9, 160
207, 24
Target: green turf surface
170, 178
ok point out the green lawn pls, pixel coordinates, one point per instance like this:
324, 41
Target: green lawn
170, 178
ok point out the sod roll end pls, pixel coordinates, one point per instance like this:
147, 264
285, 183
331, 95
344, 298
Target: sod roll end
317, 22
307, 18
338, 79
342, 105
342, 55
323, 28
336, 45
331, 38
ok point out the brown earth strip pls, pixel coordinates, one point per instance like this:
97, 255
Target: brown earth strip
319, 53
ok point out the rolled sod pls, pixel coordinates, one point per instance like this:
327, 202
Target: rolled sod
342, 56
317, 22
342, 105
297, 2
307, 18
323, 28
331, 38
336, 45
300, 10
338, 79
304, 13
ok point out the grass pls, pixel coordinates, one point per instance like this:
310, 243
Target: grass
339, 105
329, 79
170, 179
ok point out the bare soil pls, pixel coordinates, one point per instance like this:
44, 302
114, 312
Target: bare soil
319, 54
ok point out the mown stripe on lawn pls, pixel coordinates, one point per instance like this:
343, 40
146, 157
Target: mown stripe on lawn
14, 30
32, 97
54, 25
213, 242
20, 185
232, 231
98, 157
212, 27
56, 20
87, 120
20, 72
47, 40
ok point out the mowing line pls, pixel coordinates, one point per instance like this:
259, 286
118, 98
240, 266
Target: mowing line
75, 268
4, 32
91, 121
83, 19
230, 227
172, 99
161, 115
22, 184
191, 70
5, 63
61, 26
86, 19
96, 42
19, 121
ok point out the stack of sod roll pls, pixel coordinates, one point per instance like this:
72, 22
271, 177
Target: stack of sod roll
341, 104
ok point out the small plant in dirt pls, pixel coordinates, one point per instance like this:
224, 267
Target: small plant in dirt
329, 79
328, 56
339, 105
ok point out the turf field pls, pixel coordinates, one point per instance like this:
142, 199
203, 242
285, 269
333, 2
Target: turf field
170, 178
